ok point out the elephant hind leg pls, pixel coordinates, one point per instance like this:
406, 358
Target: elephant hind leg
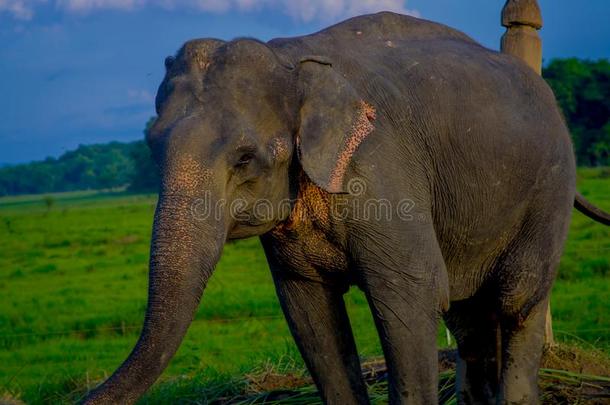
522, 346
477, 332
523, 300
498, 358
523, 278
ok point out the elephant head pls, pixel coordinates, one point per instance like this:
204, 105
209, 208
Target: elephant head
237, 124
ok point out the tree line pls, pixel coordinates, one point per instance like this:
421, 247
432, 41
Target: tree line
87, 167
582, 88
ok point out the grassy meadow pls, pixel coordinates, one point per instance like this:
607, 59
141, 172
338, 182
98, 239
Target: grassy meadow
73, 282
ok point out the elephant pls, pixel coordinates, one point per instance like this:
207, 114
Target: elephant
460, 154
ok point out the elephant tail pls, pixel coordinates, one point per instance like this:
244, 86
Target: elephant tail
590, 210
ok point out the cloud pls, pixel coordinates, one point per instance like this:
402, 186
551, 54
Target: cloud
335, 9
19, 9
302, 10
81, 6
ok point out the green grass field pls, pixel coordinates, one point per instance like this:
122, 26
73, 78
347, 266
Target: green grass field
73, 280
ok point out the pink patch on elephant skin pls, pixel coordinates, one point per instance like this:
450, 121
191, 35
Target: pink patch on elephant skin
185, 176
360, 130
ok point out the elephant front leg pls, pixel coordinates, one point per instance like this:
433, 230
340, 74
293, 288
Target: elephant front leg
407, 330
405, 301
318, 321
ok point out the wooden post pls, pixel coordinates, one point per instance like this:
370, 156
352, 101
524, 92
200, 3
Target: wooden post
523, 19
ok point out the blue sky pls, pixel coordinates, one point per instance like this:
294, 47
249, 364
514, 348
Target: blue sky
85, 71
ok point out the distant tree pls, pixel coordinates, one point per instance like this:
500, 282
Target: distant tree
146, 173
582, 88
87, 167
49, 201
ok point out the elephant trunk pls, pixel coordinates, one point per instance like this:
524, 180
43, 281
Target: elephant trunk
184, 252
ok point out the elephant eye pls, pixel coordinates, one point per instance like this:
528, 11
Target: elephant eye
244, 159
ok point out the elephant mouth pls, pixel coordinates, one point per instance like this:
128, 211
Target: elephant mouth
251, 228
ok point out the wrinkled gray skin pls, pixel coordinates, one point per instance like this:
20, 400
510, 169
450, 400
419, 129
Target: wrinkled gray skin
414, 110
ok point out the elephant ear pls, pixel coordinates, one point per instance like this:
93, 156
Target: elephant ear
334, 121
